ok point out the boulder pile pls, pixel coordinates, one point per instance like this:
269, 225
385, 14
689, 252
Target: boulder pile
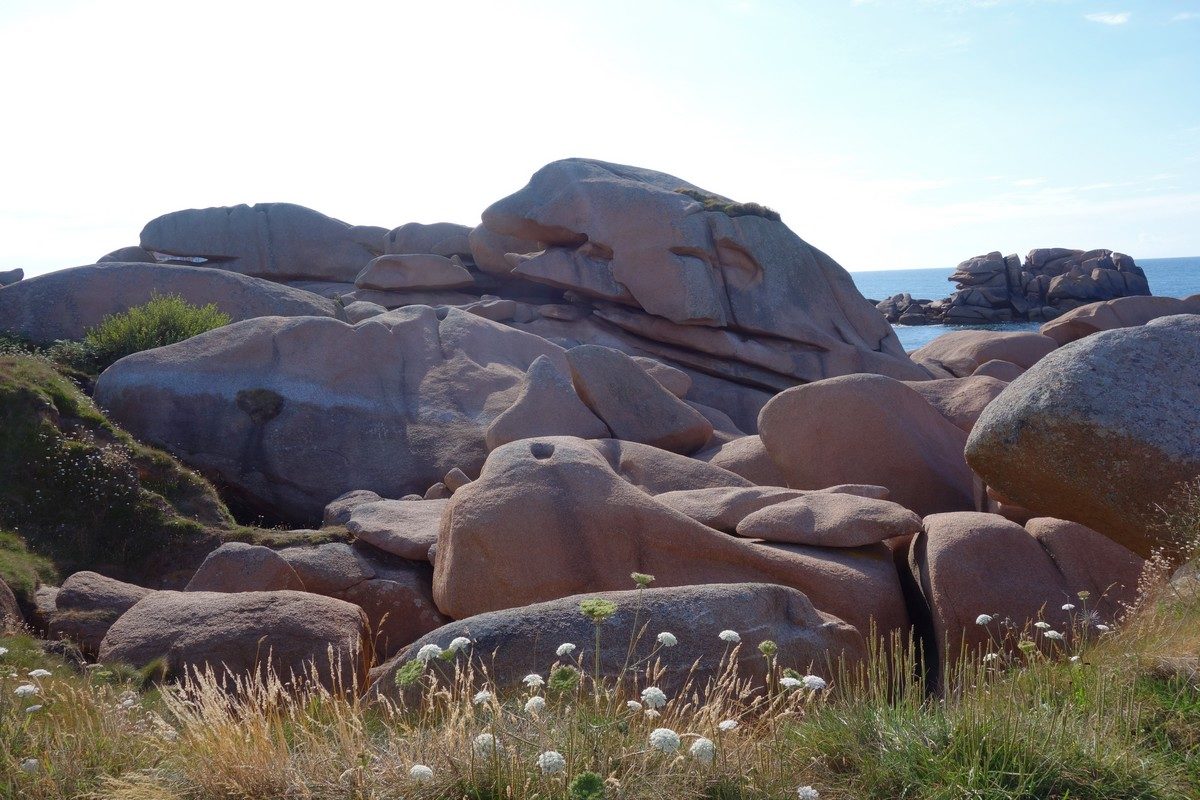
617, 374
995, 288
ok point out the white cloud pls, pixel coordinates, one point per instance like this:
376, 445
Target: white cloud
1109, 17
1183, 16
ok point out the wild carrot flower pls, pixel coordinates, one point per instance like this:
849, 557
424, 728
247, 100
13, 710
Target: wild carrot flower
565, 649
728, 725
420, 773
1055, 635
813, 682
703, 750
982, 619
1068, 607
1041, 626
634, 705
551, 762
730, 636
990, 657
535, 704
533, 680
33, 709
485, 745
428, 652
3, 651
790, 683
808, 793
667, 639
482, 697
25, 690
458, 643
39, 673
664, 740
654, 697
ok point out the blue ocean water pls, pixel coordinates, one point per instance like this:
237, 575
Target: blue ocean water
1169, 277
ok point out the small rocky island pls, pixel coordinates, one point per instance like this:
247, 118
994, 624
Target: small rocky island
994, 288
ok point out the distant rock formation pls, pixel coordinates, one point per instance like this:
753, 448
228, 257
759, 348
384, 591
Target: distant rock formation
996, 288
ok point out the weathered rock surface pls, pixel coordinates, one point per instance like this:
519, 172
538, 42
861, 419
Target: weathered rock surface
267, 240
1090, 562
590, 529
722, 508
656, 471
413, 272
293, 413
546, 406
969, 564
727, 291
1123, 312
1100, 431
241, 567
64, 304
86, 606
9, 277
960, 353
868, 429
747, 457
288, 633
1000, 370
675, 381
439, 238
130, 254
633, 405
406, 528
830, 519
960, 400
514, 643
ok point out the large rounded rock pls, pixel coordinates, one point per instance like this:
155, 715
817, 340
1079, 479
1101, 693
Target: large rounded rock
724, 287
64, 304
293, 413
970, 564
960, 400
546, 406
406, 528
549, 518
1101, 431
959, 353
722, 508
267, 240
412, 272
830, 519
241, 567
633, 405
1090, 562
439, 238
868, 429
245, 633
746, 456
656, 471
86, 606
1123, 312
517, 642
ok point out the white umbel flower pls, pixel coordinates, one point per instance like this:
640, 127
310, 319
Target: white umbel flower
990, 657
665, 740
1068, 607
1041, 626
458, 643
728, 725
533, 680
30, 765
808, 793
730, 636
1055, 635
25, 690
565, 649
535, 704
428, 652
703, 750
33, 709
982, 619
482, 697
1103, 628
485, 745
791, 683
667, 639
551, 762
654, 697
39, 673
3, 651
420, 773
813, 683
634, 705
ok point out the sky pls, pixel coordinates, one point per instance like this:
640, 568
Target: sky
910, 133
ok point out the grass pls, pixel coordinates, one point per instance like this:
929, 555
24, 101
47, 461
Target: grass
1120, 721
713, 203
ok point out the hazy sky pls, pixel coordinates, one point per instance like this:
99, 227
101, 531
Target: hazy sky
889, 134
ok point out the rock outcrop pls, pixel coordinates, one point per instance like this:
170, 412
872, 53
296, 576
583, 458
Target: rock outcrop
1123, 312
517, 642
86, 606
64, 304
1100, 431
241, 567
292, 413
269, 240
996, 288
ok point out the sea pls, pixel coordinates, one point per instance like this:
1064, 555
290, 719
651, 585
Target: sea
1168, 277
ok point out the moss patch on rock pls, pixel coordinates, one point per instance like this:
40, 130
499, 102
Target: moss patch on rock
712, 202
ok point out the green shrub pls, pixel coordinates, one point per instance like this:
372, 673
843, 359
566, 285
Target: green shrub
162, 321
21, 569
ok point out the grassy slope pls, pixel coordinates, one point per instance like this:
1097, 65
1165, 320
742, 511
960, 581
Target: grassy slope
1123, 721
